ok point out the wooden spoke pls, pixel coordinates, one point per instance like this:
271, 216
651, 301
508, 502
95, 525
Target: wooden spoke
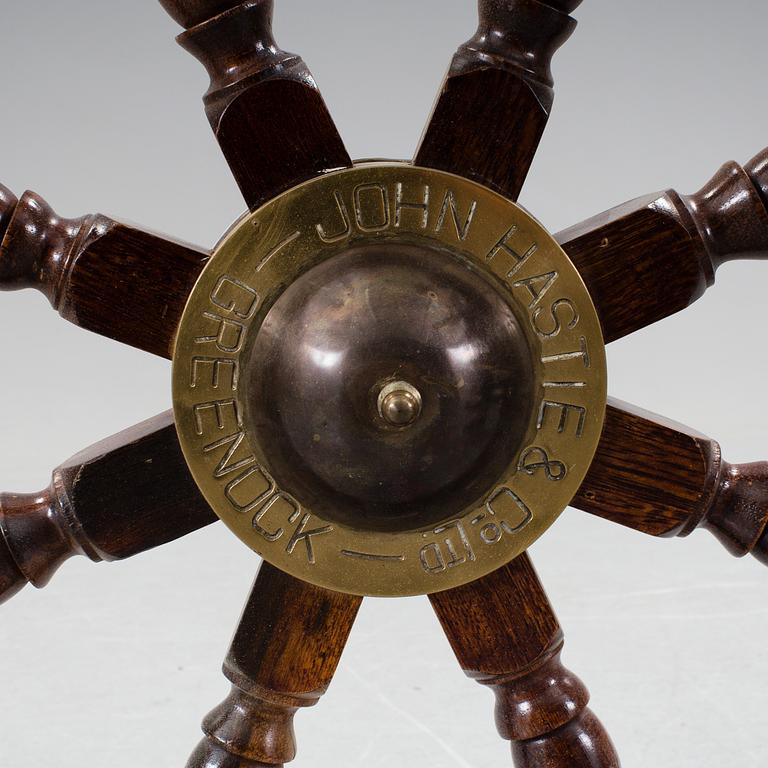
122, 496
653, 256
265, 109
665, 479
98, 273
505, 635
283, 657
496, 98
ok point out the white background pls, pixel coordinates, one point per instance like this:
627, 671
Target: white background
114, 665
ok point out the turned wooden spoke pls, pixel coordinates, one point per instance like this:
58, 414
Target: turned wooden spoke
283, 657
505, 635
100, 274
263, 104
496, 98
665, 479
651, 257
122, 496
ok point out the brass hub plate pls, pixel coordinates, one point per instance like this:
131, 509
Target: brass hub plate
375, 203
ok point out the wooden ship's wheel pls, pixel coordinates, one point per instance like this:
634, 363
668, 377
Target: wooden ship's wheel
388, 379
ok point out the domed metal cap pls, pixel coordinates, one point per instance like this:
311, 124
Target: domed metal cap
389, 380
393, 385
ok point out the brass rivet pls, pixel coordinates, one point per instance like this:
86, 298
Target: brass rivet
399, 403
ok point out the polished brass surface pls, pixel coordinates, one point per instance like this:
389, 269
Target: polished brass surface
389, 380
399, 403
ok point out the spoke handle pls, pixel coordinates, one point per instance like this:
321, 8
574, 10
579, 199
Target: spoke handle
530, 713
190, 13
651, 257
81, 265
524, 35
493, 141
282, 658
36, 538
262, 103
544, 713
505, 635
731, 212
237, 47
665, 479
122, 496
738, 513
36, 244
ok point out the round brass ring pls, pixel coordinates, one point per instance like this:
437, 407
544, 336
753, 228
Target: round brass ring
264, 253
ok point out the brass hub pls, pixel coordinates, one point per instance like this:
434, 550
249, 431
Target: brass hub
389, 380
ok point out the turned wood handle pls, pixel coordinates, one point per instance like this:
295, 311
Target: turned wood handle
113, 500
651, 257
493, 140
731, 212
100, 274
282, 658
235, 43
738, 513
36, 244
526, 32
665, 479
189, 13
505, 635
236, 46
521, 35
263, 104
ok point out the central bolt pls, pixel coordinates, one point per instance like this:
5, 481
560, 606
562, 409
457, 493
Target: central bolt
399, 403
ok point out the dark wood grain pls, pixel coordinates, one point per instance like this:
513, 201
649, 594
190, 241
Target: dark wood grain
665, 479
505, 635
654, 256
100, 274
283, 657
263, 104
497, 96
648, 472
122, 496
